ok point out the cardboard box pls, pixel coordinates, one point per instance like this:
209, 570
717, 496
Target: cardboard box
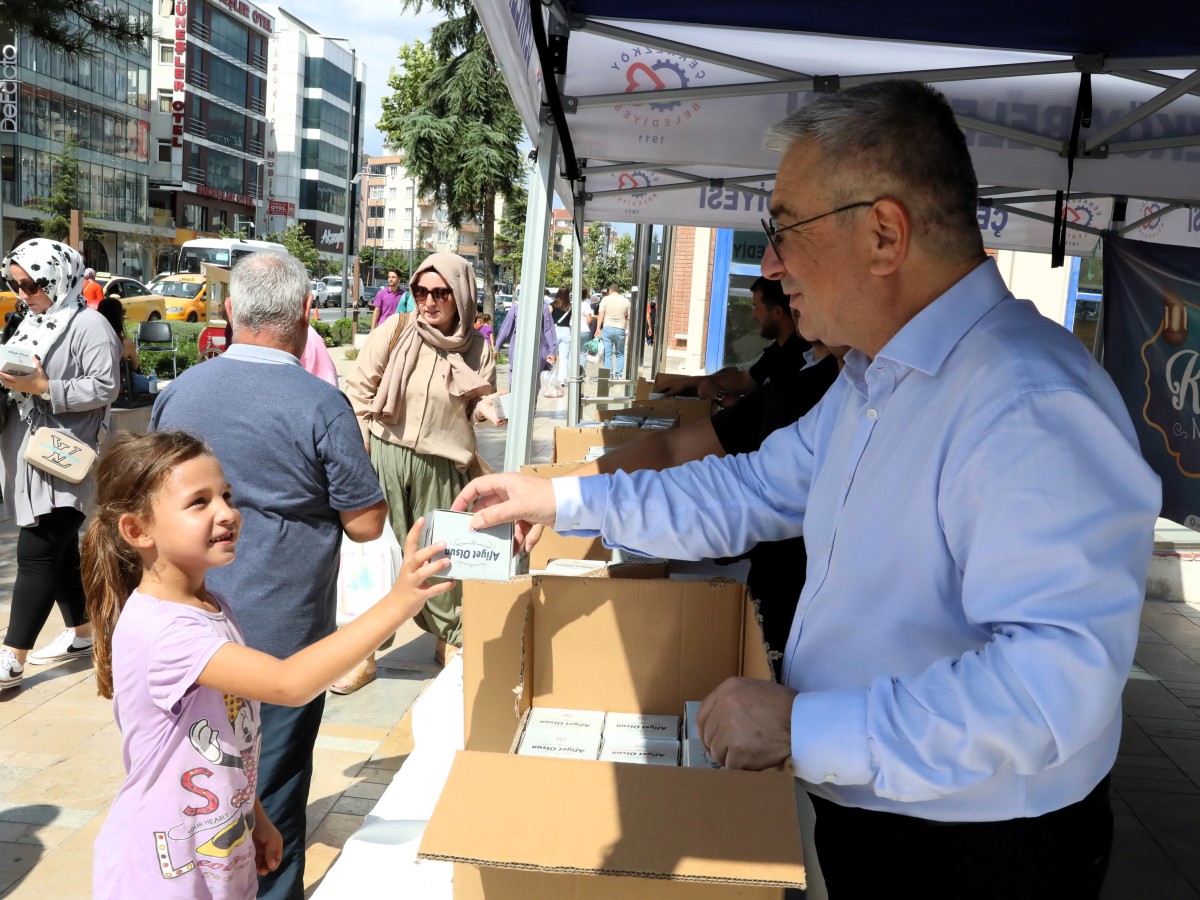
484, 555
572, 444
553, 545
523, 827
689, 409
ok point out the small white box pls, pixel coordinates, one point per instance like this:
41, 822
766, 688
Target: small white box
485, 555
690, 709
696, 757
640, 725
16, 360
645, 752
502, 402
567, 746
575, 566
565, 721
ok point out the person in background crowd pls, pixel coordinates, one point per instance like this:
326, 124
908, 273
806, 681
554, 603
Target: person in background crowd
485, 328
548, 353
416, 393
291, 444
979, 522
611, 324
93, 293
113, 311
390, 300
316, 359
74, 381
565, 333
769, 306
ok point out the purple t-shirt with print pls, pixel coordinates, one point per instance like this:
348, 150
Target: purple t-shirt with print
386, 302
180, 826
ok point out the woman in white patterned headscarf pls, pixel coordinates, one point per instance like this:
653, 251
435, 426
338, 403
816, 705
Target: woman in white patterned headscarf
75, 378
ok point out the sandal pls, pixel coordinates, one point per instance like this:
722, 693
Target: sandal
362, 674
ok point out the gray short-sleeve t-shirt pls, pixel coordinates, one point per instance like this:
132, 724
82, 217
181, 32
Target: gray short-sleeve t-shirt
294, 456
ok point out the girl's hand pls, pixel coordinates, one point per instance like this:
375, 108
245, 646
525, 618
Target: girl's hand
34, 383
268, 842
412, 587
487, 408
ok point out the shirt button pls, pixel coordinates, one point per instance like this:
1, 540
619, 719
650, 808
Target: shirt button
872, 414
830, 777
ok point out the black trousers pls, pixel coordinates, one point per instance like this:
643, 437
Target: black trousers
1062, 855
47, 571
284, 774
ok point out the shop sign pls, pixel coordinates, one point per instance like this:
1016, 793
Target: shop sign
9, 88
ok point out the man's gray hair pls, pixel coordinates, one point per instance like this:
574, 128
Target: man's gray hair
894, 139
267, 291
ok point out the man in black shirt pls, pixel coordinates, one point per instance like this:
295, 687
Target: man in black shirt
777, 568
785, 355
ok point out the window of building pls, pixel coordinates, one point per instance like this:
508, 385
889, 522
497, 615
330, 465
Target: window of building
408, 235
391, 234
228, 35
376, 192
164, 101
316, 195
393, 171
324, 157
391, 213
323, 74
408, 191
226, 80
408, 213
166, 52
164, 151
322, 114
374, 212
392, 192
195, 217
224, 172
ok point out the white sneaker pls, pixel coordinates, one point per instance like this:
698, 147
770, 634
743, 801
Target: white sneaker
65, 646
11, 671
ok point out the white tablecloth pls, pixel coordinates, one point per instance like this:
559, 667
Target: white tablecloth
384, 850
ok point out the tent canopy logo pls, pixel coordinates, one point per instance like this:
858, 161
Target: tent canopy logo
644, 70
629, 180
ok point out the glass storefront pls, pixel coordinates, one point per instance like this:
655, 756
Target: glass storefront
737, 264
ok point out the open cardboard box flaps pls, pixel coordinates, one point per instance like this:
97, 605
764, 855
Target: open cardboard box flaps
526, 826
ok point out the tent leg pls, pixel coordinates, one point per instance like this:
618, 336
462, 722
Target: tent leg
574, 379
659, 356
525, 351
637, 315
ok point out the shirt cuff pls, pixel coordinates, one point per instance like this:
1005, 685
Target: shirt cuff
58, 395
579, 504
829, 737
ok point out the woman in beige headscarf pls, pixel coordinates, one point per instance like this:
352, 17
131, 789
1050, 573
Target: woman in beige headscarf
417, 388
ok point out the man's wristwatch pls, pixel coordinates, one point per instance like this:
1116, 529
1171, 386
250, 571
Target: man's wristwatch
719, 397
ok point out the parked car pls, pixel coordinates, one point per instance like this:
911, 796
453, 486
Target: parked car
140, 305
503, 301
320, 293
185, 296
333, 288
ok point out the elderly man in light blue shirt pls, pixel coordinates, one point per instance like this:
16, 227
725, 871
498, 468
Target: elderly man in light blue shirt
978, 518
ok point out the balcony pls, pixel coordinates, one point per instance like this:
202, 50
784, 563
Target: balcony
255, 105
200, 30
198, 79
467, 250
259, 62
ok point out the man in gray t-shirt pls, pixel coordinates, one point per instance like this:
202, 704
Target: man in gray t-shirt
292, 451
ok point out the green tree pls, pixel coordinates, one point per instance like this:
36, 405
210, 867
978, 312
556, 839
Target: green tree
622, 261
300, 245
76, 26
64, 196
451, 116
510, 236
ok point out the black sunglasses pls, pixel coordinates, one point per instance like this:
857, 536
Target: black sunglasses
771, 227
29, 286
439, 294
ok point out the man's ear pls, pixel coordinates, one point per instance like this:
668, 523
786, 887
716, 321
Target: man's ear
133, 531
891, 234
228, 310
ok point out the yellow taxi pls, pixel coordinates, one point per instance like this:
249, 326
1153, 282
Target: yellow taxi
140, 305
185, 297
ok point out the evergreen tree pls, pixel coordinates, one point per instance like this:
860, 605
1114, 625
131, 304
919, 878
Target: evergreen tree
64, 196
451, 116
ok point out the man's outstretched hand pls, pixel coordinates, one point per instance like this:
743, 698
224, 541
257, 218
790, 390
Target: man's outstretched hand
509, 497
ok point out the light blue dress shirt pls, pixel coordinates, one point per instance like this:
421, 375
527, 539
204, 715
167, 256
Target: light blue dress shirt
979, 521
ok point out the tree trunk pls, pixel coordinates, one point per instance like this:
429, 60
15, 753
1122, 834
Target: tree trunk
487, 247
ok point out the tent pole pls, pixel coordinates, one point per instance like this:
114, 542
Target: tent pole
659, 356
525, 350
637, 314
574, 378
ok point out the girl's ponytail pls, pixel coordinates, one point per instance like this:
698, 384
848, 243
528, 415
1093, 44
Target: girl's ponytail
132, 468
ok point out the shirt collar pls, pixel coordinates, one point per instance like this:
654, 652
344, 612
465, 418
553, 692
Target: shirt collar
255, 353
926, 341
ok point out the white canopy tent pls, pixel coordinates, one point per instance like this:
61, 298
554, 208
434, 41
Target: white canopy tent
1103, 102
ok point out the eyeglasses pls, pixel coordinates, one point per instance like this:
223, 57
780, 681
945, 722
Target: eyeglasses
29, 286
439, 294
771, 227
